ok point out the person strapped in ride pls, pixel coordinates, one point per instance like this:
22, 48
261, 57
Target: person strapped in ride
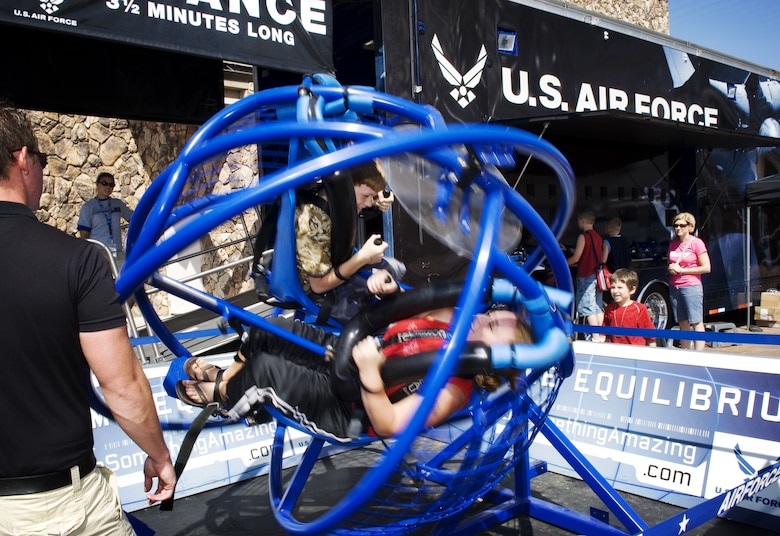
272, 370
329, 269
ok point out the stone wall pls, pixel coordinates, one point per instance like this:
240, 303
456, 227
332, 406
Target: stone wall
135, 152
80, 147
648, 14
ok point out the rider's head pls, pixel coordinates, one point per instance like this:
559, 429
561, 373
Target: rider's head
498, 326
369, 180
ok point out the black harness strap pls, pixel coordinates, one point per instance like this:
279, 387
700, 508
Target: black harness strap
430, 333
405, 391
267, 234
326, 306
340, 191
186, 446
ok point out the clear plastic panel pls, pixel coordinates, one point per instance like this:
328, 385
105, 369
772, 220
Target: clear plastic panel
446, 209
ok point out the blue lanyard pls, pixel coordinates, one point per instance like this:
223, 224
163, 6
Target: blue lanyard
107, 214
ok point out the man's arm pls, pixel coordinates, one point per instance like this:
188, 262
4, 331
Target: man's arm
578, 249
127, 212
129, 396
84, 223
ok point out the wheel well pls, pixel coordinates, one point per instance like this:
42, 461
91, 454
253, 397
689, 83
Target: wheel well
651, 291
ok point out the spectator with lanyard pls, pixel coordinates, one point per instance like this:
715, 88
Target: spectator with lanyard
272, 370
587, 257
100, 217
688, 260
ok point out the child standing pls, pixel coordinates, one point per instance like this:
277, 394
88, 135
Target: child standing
616, 251
625, 312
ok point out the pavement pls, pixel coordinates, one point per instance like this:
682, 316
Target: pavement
243, 509
769, 350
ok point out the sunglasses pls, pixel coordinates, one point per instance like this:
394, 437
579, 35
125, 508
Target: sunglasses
106, 183
42, 158
680, 225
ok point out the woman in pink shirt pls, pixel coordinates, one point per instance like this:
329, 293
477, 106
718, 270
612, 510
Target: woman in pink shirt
688, 259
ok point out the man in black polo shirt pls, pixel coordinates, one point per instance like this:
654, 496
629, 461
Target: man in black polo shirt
59, 317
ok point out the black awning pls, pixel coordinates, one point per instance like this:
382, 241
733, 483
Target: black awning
626, 128
79, 75
763, 192
599, 141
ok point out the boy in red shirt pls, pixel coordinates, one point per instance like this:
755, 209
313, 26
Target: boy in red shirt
625, 312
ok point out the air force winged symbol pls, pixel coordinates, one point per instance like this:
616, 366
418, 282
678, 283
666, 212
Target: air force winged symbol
51, 6
463, 83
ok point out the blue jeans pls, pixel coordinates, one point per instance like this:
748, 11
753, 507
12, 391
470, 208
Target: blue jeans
588, 297
688, 303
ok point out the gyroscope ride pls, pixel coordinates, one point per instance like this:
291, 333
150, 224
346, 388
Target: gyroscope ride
449, 179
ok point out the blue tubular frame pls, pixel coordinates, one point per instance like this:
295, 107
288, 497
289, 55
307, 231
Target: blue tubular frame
554, 346
319, 121
148, 248
468, 306
381, 143
152, 210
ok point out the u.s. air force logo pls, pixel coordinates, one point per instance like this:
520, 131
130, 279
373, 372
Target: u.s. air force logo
463, 83
51, 6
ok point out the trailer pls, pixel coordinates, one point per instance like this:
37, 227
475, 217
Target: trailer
652, 126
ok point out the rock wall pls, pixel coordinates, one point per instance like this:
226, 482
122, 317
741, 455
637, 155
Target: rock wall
135, 152
80, 147
648, 14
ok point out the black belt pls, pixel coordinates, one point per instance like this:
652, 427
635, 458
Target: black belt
25, 485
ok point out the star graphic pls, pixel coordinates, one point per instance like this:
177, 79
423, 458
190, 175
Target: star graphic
684, 524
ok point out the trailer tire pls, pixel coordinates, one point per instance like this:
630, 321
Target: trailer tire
658, 304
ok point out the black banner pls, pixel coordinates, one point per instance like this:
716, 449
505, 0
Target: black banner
608, 95
499, 60
279, 34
